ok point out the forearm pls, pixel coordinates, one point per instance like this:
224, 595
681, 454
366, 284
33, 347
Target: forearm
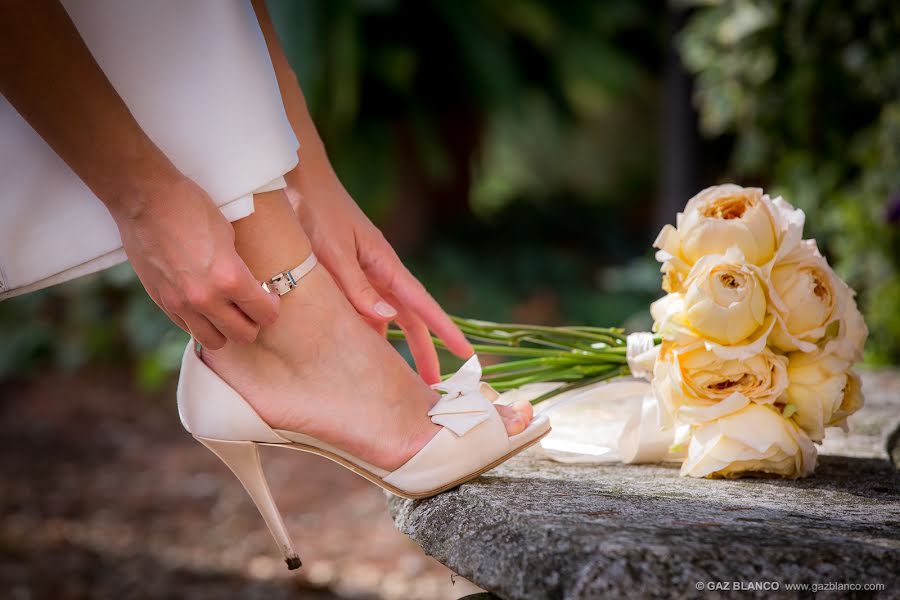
48, 74
314, 163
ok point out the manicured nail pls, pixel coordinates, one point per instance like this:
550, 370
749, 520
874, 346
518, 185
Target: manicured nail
385, 310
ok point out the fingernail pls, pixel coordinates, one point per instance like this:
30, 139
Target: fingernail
385, 310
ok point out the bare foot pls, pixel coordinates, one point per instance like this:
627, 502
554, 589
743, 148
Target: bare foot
322, 371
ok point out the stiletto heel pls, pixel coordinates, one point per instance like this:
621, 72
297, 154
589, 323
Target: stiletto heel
243, 460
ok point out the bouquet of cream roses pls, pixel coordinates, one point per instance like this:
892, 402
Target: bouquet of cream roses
750, 359
758, 336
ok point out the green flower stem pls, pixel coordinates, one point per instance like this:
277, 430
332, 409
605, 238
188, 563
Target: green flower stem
566, 337
514, 338
519, 379
595, 335
486, 334
538, 353
481, 337
576, 355
610, 350
615, 332
505, 386
518, 365
394, 334
551, 344
621, 371
515, 368
551, 372
616, 355
577, 342
575, 373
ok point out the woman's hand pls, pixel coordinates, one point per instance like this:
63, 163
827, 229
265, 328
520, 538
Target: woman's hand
180, 245
370, 274
182, 249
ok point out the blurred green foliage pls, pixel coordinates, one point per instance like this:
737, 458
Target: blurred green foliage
511, 152
105, 318
810, 93
533, 98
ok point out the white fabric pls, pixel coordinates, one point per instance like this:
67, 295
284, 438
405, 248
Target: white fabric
198, 79
234, 210
640, 350
644, 439
463, 405
243, 206
610, 421
105, 261
588, 422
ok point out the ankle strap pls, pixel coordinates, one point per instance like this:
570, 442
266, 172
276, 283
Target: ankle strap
285, 281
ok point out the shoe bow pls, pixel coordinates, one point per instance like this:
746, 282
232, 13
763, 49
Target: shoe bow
466, 402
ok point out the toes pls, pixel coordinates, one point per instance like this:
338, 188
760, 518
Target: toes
511, 420
516, 417
525, 410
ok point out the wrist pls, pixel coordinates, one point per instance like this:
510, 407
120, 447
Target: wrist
139, 187
314, 178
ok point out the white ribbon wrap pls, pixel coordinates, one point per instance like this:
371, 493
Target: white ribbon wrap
466, 400
609, 421
641, 351
644, 440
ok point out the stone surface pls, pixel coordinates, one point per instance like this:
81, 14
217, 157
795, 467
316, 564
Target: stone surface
533, 528
871, 429
104, 495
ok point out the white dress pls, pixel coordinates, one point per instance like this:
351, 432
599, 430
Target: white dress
197, 77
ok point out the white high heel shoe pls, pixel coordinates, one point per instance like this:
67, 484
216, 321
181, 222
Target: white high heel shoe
472, 439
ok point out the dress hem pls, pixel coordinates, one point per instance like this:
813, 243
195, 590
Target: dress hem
233, 210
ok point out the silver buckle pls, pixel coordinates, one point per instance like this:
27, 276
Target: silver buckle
281, 284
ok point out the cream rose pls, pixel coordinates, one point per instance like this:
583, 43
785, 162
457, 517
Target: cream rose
721, 217
822, 392
851, 402
728, 215
852, 331
754, 440
806, 297
713, 221
725, 298
695, 385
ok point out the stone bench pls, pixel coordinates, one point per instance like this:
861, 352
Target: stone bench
534, 528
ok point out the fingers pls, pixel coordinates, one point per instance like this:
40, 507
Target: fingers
234, 324
228, 324
233, 303
203, 331
230, 306
170, 312
259, 306
177, 320
364, 298
418, 338
410, 292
